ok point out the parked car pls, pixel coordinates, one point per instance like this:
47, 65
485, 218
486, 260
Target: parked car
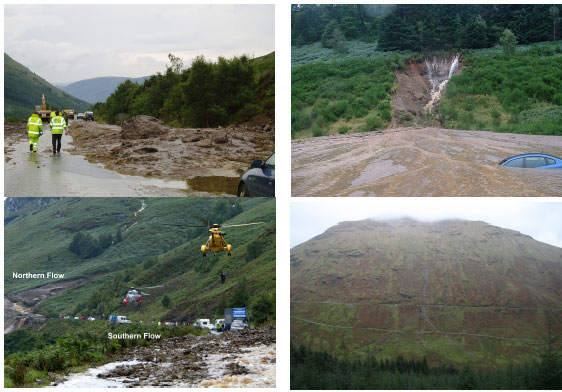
259, 180
89, 116
80, 116
533, 161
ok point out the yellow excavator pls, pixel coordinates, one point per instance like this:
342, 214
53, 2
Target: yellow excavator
42, 110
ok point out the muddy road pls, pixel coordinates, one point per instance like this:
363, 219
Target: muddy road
421, 162
208, 160
146, 158
231, 359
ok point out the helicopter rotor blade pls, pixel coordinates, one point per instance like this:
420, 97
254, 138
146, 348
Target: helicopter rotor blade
245, 224
151, 287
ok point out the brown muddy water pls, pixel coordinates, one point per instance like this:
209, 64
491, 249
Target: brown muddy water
422, 162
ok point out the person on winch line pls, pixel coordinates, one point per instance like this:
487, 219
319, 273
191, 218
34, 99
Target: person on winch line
58, 125
223, 277
34, 131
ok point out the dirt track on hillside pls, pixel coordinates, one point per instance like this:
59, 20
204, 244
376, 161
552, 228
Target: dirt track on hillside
421, 162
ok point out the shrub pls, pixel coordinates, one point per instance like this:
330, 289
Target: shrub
373, 123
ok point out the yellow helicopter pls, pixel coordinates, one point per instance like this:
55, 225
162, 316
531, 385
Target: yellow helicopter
216, 241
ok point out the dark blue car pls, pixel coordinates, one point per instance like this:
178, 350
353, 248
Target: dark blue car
533, 161
260, 180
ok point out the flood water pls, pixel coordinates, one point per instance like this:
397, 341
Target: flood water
261, 372
422, 162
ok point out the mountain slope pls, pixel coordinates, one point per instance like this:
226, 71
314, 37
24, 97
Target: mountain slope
453, 291
98, 89
23, 90
157, 248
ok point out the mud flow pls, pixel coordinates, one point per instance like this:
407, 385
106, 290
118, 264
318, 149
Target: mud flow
145, 157
231, 359
422, 162
21, 308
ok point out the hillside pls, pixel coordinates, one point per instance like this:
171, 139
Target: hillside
485, 42
452, 291
98, 89
23, 90
160, 219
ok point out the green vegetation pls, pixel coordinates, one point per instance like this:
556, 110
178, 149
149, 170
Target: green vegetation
426, 27
521, 93
206, 94
352, 93
23, 90
487, 95
319, 370
64, 344
312, 53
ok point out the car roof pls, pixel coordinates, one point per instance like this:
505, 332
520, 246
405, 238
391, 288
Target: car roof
530, 155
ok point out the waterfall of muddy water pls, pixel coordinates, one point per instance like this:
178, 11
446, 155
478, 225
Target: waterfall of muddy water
439, 73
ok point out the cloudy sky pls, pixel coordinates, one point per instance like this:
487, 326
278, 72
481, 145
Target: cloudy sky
67, 43
542, 221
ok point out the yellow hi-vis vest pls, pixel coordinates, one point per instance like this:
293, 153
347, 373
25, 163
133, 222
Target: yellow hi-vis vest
34, 126
57, 125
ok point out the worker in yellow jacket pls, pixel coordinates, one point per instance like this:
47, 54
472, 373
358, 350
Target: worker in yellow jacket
58, 125
34, 131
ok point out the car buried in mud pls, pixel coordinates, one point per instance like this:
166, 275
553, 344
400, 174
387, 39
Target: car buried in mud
259, 181
533, 161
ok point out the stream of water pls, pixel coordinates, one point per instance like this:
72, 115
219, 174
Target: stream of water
439, 73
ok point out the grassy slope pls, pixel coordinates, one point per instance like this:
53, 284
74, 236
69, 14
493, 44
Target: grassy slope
191, 281
23, 90
37, 239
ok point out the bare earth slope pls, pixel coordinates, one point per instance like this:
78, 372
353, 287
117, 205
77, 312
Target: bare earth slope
452, 291
421, 162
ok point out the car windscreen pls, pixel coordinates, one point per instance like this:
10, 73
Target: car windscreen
270, 163
515, 163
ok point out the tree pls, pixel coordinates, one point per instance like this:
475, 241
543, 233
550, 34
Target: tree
105, 240
118, 236
85, 246
263, 308
467, 379
177, 63
508, 42
240, 296
554, 12
166, 301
